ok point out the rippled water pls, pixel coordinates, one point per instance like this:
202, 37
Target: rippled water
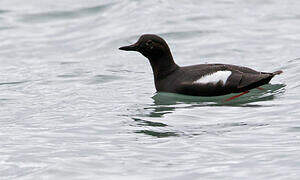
75, 107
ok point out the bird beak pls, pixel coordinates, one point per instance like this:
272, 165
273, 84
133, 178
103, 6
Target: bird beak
133, 47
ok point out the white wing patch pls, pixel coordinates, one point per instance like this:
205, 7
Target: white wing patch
214, 77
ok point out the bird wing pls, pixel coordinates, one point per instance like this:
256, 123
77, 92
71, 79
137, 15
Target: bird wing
237, 82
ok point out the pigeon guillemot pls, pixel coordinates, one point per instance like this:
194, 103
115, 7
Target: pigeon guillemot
196, 80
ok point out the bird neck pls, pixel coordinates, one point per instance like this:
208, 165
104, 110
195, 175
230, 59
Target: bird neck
163, 66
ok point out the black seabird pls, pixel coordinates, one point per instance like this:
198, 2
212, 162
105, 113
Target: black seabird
196, 80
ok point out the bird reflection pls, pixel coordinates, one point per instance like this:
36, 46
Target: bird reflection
166, 103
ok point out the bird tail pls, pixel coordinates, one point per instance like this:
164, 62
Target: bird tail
277, 72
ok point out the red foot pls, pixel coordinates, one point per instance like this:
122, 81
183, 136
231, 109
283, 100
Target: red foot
260, 88
233, 97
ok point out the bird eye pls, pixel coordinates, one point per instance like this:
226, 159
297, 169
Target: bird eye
150, 44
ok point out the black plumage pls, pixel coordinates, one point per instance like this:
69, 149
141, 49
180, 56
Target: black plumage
169, 77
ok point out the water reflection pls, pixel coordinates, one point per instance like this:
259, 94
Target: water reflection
157, 134
166, 103
156, 129
268, 92
148, 123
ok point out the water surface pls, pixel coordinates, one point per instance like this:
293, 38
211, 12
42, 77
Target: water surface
75, 107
